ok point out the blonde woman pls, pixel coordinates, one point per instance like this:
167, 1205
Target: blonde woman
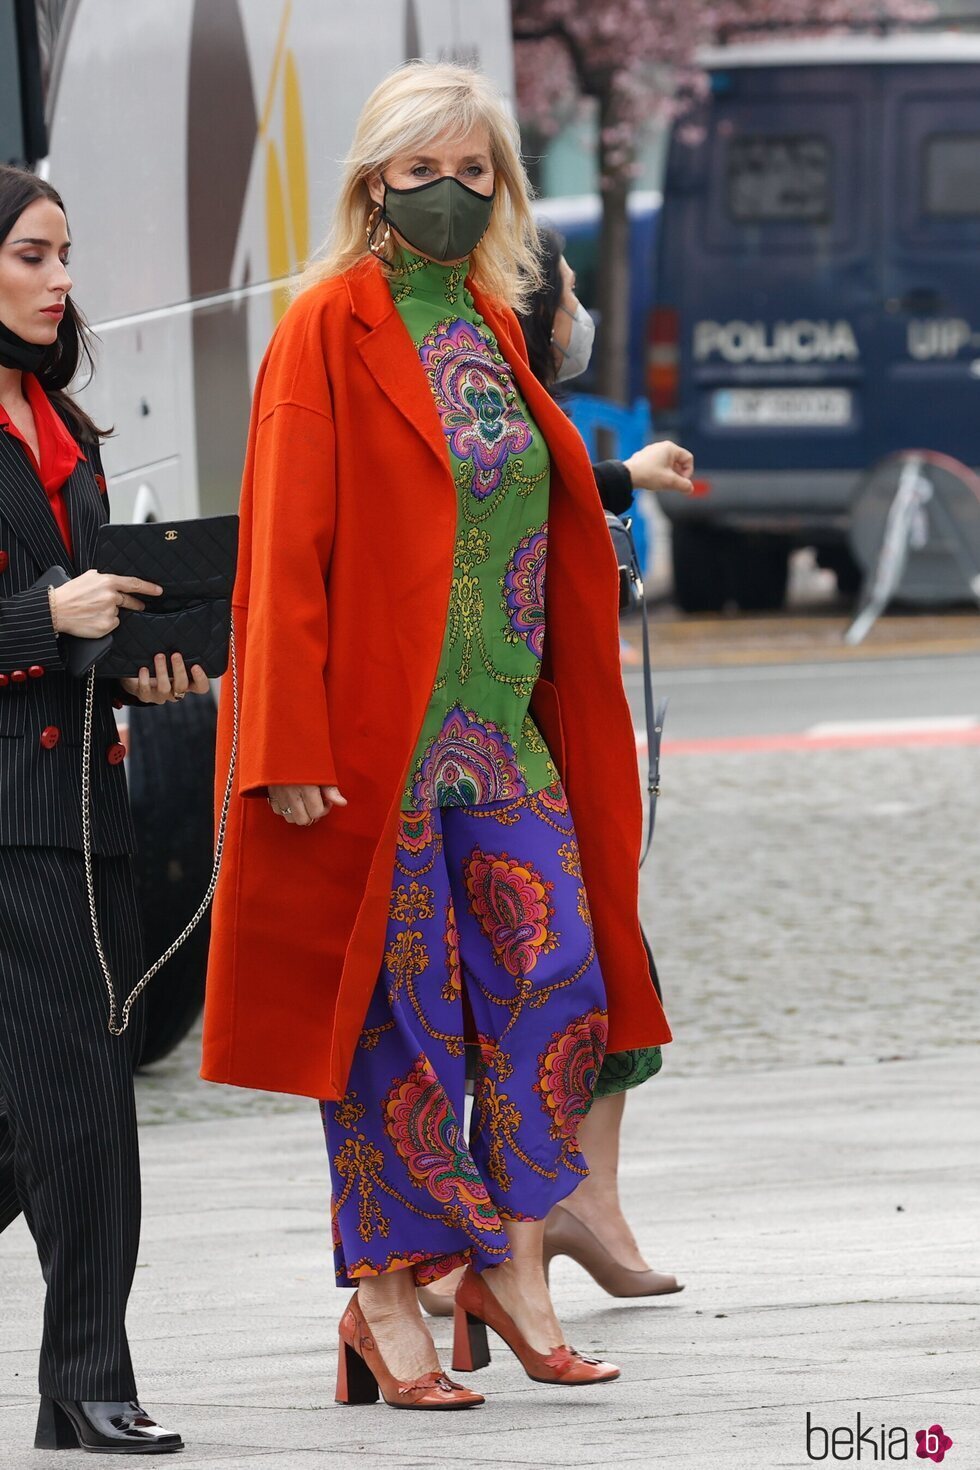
428, 851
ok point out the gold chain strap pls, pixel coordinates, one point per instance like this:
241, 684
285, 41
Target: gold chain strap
115, 1026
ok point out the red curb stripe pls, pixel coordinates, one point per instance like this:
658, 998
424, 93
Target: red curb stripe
870, 740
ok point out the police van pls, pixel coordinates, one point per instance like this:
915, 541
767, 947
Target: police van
197, 146
818, 294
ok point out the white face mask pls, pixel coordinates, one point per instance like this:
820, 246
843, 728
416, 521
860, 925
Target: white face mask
575, 357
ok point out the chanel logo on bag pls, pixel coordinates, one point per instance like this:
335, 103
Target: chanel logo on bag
170, 535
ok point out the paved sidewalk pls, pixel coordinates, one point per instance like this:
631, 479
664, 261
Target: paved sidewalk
815, 920
824, 1218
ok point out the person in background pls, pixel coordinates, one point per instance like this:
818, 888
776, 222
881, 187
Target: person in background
590, 1226
69, 1157
405, 864
559, 333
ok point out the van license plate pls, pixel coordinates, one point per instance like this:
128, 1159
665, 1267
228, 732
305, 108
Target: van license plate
782, 408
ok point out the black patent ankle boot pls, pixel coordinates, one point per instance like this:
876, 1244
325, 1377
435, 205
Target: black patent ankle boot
122, 1429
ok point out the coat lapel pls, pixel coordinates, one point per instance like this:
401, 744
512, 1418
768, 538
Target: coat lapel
26, 508
390, 357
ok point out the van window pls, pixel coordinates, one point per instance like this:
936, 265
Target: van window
782, 173
779, 177
951, 175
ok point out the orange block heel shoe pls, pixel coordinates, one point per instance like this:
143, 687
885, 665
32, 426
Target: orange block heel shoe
362, 1374
477, 1308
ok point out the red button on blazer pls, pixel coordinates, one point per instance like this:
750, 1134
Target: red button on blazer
115, 754
19, 676
4, 561
4, 680
36, 671
50, 736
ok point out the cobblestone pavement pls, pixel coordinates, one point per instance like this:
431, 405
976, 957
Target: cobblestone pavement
818, 906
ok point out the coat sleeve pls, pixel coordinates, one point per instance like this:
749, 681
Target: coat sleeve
614, 484
27, 634
287, 531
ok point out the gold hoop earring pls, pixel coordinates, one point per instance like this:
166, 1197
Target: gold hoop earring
377, 247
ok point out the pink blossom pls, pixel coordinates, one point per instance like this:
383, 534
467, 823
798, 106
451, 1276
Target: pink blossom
637, 57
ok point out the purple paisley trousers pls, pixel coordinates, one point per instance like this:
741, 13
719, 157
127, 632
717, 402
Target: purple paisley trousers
489, 941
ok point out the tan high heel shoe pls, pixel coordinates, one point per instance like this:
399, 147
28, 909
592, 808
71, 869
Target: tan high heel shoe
440, 1303
477, 1309
564, 1235
434, 1302
362, 1374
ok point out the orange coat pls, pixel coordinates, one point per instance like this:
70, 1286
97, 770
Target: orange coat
348, 526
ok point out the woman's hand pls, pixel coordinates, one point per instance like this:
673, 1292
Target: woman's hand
160, 688
663, 466
303, 806
88, 606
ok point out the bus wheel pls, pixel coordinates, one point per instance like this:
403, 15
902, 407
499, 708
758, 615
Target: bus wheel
171, 782
758, 570
698, 554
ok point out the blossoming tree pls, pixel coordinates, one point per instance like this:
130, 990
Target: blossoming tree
637, 60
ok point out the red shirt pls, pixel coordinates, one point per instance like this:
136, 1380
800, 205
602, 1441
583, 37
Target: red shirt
59, 452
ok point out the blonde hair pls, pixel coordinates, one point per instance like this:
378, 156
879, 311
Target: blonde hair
408, 111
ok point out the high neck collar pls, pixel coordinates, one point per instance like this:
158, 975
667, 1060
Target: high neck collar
429, 280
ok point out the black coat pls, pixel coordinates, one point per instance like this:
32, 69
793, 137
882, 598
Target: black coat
40, 783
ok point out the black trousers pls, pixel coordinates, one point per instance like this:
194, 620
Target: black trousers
68, 1148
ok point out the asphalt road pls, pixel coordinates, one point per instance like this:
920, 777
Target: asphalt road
816, 898
792, 698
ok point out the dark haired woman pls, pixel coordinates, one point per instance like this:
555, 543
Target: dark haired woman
68, 1147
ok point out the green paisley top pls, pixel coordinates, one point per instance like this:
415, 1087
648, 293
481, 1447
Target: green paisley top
478, 742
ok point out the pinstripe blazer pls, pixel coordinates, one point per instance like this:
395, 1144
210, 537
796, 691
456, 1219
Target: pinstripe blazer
40, 784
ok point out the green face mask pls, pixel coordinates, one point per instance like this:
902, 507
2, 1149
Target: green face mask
443, 219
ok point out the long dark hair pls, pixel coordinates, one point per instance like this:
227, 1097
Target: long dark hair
19, 189
538, 322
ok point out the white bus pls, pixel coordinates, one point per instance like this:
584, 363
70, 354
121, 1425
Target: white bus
196, 144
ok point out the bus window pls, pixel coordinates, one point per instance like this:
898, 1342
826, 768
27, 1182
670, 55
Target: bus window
23, 138
951, 175
779, 177
11, 114
50, 19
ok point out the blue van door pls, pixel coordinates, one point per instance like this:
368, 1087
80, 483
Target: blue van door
929, 350
769, 258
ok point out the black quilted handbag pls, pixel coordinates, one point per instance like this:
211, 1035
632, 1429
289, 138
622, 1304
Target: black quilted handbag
194, 562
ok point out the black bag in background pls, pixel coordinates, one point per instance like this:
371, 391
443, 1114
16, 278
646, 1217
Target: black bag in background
194, 562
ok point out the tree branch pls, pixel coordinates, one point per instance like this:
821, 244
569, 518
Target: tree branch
555, 31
